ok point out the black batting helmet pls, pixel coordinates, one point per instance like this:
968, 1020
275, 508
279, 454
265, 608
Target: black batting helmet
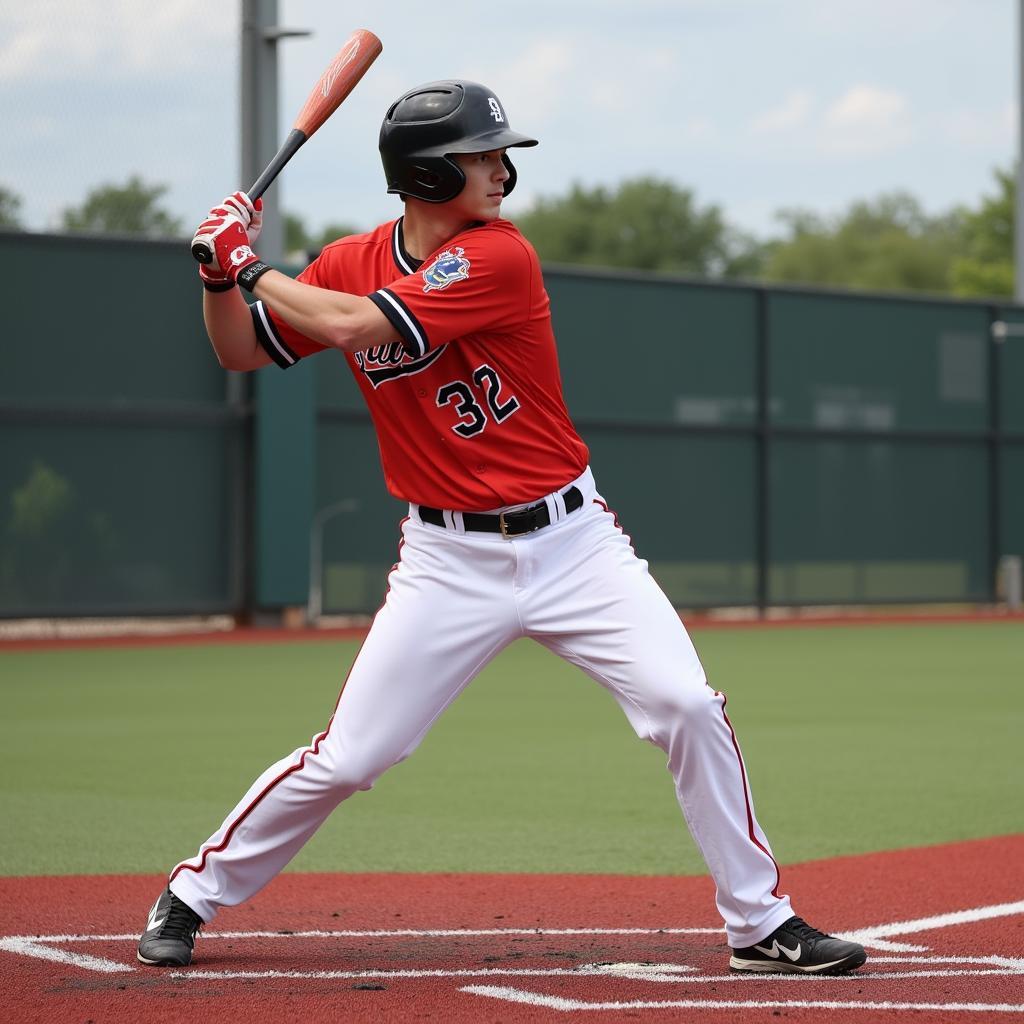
423, 128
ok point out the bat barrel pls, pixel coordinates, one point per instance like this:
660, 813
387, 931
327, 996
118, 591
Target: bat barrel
341, 76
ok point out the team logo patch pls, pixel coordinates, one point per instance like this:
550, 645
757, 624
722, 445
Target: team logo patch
449, 267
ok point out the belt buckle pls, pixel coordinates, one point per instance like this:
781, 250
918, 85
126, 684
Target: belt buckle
510, 532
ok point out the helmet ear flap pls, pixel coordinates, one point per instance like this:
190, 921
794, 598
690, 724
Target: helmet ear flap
426, 177
510, 183
435, 180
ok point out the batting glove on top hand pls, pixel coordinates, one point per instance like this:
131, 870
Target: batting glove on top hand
225, 233
249, 214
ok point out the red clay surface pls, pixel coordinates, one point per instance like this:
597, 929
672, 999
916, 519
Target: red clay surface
517, 948
251, 635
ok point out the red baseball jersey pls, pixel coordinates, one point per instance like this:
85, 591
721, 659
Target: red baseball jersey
468, 405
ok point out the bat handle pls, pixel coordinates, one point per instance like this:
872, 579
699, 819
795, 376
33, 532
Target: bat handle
202, 251
288, 149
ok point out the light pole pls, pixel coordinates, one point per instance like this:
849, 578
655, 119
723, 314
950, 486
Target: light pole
1018, 224
259, 94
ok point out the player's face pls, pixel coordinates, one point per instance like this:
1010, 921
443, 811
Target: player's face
486, 175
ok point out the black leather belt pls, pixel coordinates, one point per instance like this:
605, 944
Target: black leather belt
508, 524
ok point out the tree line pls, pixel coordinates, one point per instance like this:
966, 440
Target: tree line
888, 242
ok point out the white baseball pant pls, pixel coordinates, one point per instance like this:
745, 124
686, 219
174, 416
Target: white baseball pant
455, 600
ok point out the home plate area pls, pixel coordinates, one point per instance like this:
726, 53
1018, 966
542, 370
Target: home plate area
531, 947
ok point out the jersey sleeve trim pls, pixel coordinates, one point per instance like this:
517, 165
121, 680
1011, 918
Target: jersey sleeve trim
410, 330
270, 340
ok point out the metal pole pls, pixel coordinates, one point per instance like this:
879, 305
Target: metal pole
1018, 233
258, 142
259, 112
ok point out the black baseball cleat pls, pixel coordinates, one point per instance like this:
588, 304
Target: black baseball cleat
797, 948
170, 933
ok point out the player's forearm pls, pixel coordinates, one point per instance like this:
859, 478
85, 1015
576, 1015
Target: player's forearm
232, 334
337, 319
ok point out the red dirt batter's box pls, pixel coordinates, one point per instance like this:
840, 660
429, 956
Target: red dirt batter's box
943, 926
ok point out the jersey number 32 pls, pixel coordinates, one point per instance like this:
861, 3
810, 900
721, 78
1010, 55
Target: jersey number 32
472, 417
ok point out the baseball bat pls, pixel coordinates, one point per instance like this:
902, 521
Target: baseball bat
350, 63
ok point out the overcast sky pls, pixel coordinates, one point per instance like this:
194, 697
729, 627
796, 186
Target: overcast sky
754, 105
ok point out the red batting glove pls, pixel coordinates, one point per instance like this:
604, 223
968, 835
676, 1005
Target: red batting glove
234, 260
250, 214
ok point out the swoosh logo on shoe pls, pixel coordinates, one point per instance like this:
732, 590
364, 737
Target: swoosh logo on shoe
153, 922
776, 950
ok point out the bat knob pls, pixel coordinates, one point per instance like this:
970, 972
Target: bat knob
202, 253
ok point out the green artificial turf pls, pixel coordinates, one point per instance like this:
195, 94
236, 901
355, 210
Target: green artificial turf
855, 738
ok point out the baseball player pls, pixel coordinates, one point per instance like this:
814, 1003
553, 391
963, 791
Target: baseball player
443, 319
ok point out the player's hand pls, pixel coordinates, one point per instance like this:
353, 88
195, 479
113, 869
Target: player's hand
249, 214
224, 233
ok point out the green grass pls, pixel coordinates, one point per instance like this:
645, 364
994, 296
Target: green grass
856, 739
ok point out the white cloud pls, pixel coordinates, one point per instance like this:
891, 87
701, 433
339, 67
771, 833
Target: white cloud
51, 40
20, 52
866, 120
791, 113
865, 106
534, 76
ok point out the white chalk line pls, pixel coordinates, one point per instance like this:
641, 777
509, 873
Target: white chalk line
890, 947
870, 936
468, 972
873, 936
514, 995
394, 933
878, 935
1013, 963
41, 946
659, 973
33, 948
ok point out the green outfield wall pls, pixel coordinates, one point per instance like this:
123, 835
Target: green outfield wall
762, 446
